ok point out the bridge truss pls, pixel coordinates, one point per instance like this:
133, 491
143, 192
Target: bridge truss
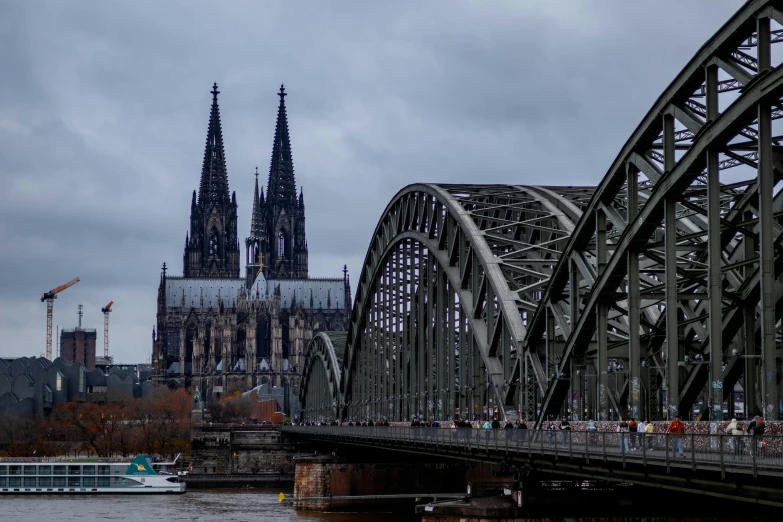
654, 293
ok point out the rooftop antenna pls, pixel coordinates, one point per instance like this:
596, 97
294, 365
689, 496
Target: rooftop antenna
80, 313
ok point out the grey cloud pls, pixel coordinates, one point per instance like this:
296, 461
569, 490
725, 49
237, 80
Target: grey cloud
104, 107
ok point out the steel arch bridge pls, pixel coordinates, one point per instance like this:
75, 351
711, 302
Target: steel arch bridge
652, 294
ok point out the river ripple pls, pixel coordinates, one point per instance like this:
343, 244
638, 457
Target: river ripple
195, 505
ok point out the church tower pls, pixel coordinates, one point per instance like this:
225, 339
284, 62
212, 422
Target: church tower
277, 243
211, 247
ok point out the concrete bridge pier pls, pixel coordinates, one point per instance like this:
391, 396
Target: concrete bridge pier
322, 482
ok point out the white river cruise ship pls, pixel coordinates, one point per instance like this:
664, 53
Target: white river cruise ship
85, 476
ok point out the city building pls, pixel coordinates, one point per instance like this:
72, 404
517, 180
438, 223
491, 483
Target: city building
223, 330
78, 344
34, 385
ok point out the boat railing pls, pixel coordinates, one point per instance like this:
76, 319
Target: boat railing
75, 460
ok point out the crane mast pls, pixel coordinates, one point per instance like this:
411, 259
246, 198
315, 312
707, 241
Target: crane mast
106, 309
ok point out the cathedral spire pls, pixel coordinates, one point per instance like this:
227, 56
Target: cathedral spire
256, 219
213, 250
214, 178
281, 187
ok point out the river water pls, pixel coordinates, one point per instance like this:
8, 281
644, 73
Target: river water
219, 506
195, 505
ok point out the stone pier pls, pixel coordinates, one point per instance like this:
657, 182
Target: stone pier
232, 455
327, 476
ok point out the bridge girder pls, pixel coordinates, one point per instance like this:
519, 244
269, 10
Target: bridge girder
472, 256
716, 268
670, 267
320, 390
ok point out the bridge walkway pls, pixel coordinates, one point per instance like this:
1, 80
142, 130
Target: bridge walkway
724, 454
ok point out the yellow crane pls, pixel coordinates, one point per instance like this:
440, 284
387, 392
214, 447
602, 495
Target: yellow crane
49, 297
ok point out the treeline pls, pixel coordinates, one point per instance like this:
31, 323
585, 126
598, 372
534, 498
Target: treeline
233, 407
118, 425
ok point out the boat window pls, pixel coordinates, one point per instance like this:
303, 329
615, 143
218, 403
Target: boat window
30, 470
88, 482
45, 481
172, 479
74, 470
14, 470
124, 481
88, 470
29, 482
73, 482
44, 470
58, 470
3, 470
3, 482
58, 481
103, 482
14, 481
104, 470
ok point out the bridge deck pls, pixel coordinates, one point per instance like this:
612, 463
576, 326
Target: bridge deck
724, 454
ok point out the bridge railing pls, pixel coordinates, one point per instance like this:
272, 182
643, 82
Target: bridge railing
728, 453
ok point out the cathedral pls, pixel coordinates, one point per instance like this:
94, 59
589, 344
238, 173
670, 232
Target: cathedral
223, 331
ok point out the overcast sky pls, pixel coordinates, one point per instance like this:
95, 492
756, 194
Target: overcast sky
104, 108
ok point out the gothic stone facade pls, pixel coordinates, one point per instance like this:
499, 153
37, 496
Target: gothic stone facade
221, 331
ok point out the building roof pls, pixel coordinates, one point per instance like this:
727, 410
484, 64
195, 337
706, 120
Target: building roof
310, 294
192, 289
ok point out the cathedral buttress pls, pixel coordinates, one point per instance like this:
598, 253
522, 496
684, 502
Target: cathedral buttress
212, 250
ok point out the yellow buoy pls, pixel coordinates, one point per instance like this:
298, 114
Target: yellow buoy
280, 497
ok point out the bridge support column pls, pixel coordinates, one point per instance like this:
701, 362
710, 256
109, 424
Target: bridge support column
603, 325
636, 406
319, 479
670, 255
766, 183
714, 275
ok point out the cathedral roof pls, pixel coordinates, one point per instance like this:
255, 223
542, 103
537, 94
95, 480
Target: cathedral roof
259, 289
193, 289
310, 294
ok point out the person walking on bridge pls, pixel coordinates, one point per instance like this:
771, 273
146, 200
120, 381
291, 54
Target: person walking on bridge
550, 427
639, 442
730, 431
622, 429
756, 428
508, 428
565, 428
633, 429
676, 431
649, 430
521, 425
592, 432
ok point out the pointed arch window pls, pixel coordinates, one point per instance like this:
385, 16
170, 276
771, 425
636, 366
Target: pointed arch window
213, 242
280, 244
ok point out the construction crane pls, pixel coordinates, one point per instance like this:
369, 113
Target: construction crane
106, 309
49, 297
